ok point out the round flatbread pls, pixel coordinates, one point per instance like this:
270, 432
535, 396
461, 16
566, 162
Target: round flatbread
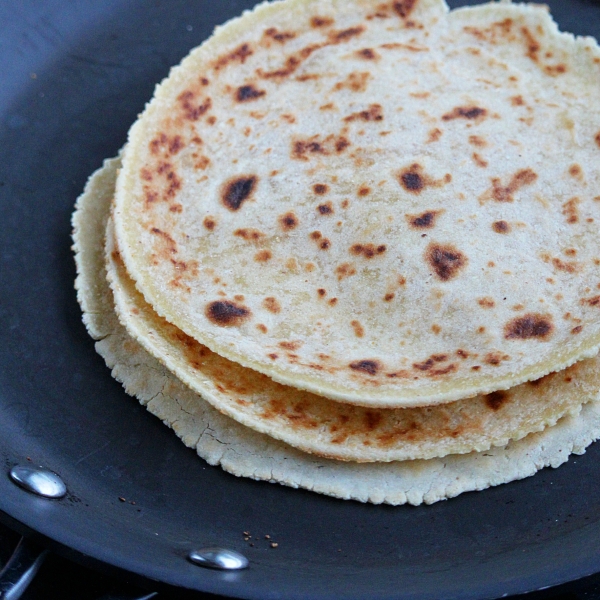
244, 452
406, 196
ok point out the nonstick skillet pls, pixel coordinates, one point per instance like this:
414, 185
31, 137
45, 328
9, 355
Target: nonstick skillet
74, 76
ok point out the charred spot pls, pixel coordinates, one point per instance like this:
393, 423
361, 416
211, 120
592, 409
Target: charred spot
530, 326
425, 220
272, 305
263, 256
237, 191
412, 179
320, 188
495, 358
486, 302
279, 36
462, 354
370, 367
227, 314
597, 138
325, 209
495, 400
595, 301
425, 366
191, 109
345, 270
367, 250
367, 54
317, 22
446, 260
577, 329
247, 93
324, 244
240, 54
389, 297
403, 8
520, 179
466, 112
288, 221
250, 235
501, 227
373, 113
341, 144
322, 292
364, 191
372, 419
346, 34
209, 223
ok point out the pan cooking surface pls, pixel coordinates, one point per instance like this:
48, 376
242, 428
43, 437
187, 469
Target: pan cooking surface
75, 75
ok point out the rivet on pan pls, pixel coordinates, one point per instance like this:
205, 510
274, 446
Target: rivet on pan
219, 558
38, 480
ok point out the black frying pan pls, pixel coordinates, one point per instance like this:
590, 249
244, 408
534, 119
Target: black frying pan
74, 75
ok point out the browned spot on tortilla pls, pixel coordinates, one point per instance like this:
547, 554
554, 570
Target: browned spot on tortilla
225, 313
317, 22
486, 302
288, 221
325, 209
533, 46
272, 305
190, 107
333, 301
595, 301
367, 250
501, 193
237, 190
320, 188
304, 149
359, 330
577, 329
249, 234
291, 345
247, 93
476, 140
434, 135
436, 329
316, 235
555, 70
530, 326
355, 82
345, 270
240, 54
479, 161
446, 260
571, 210
372, 419
495, 400
462, 354
366, 366
324, 244
364, 190
403, 8
495, 358
322, 292
262, 328
389, 297
279, 36
471, 113
263, 256
273, 356
501, 227
414, 180
367, 54
210, 223
575, 171
517, 101
171, 245
567, 267
373, 113
425, 220
344, 35
597, 138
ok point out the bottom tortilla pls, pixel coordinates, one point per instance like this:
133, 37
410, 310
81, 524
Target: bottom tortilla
243, 452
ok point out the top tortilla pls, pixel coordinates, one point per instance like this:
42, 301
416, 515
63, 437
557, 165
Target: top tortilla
387, 204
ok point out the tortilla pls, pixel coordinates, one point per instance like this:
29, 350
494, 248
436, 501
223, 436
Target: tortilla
406, 196
243, 452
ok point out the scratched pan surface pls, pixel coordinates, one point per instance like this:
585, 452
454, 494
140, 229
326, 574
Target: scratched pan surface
74, 76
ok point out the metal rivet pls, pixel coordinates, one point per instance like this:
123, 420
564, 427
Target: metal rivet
219, 558
38, 480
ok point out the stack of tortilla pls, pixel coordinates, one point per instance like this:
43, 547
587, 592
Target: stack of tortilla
351, 246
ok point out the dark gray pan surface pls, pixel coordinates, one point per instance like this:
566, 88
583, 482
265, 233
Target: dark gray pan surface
74, 76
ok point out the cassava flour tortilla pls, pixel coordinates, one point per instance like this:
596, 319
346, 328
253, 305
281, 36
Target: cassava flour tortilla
334, 430
387, 204
244, 452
